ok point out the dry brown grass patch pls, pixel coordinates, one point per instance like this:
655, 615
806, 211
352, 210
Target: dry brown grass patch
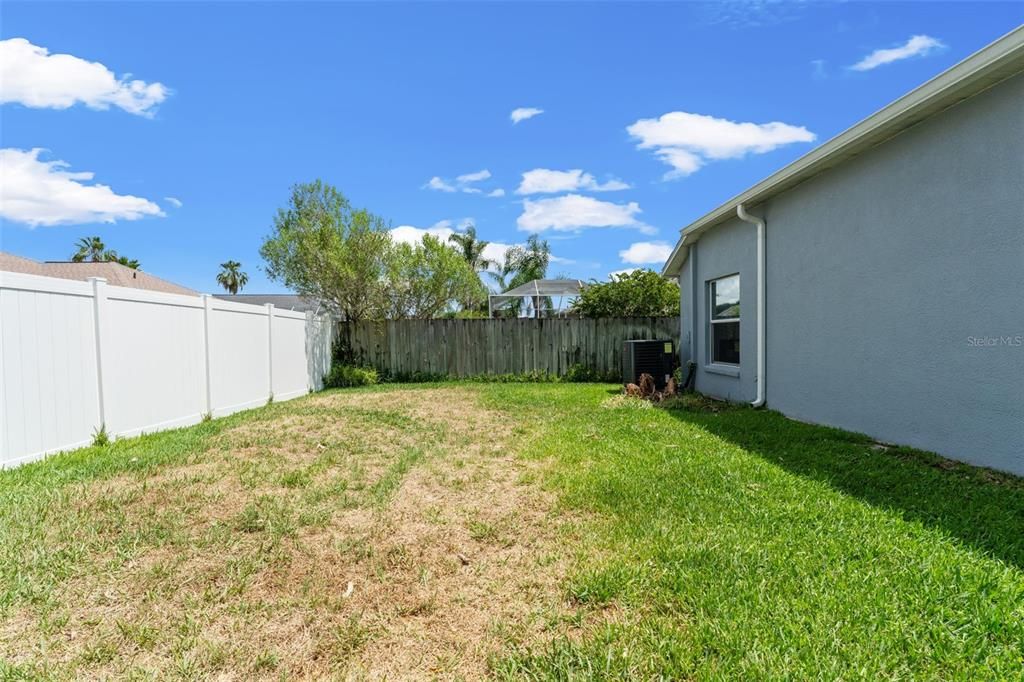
385, 534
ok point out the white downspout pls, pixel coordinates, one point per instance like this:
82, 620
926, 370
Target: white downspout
742, 214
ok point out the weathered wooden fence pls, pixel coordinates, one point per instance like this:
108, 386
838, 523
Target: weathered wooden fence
463, 348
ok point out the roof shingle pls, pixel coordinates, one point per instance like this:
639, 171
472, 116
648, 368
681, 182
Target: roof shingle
116, 274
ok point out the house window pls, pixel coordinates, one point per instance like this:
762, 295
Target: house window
724, 320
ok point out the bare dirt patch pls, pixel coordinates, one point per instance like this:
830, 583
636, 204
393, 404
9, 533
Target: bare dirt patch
388, 534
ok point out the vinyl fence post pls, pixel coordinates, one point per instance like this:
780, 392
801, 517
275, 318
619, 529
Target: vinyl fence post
207, 309
308, 327
99, 309
270, 351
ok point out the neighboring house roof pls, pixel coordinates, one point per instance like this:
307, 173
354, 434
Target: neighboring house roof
27, 266
116, 274
299, 304
997, 62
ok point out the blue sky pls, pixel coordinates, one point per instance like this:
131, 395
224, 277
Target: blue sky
666, 110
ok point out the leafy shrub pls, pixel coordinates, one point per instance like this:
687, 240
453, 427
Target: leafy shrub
579, 374
642, 293
343, 376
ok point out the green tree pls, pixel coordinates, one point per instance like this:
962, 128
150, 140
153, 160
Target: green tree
528, 262
524, 264
231, 277
111, 256
326, 250
128, 262
92, 249
472, 249
427, 279
89, 249
641, 293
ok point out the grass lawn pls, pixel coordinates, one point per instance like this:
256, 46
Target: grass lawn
514, 531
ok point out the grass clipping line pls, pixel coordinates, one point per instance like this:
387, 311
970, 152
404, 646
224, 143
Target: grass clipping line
371, 534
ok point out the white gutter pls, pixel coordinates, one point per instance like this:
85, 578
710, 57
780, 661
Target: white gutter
742, 214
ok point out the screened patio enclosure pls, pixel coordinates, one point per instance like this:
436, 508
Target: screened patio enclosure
539, 298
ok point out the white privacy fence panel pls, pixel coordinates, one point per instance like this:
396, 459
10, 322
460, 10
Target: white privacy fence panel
78, 355
48, 387
289, 353
239, 352
154, 361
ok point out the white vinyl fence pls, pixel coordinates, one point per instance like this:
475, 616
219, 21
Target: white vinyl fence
75, 356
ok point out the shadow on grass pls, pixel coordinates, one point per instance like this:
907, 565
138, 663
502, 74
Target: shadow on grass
981, 507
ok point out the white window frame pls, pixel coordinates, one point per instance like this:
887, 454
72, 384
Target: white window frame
729, 367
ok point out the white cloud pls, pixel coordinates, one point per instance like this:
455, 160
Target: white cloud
463, 183
687, 141
683, 162
916, 46
31, 76
443, 229
613, 275
438, 184
524, 113
173, 201
38, 192
573, 212
645, 253
545, 181
495, 252
473, 177
407, 234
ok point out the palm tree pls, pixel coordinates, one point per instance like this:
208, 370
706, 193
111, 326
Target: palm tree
231, 277
531, 262
94, 250
472, 248
113, 256
524, 264
89, 248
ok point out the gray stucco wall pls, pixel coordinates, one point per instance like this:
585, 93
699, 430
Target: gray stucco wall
726, 250
887, 279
